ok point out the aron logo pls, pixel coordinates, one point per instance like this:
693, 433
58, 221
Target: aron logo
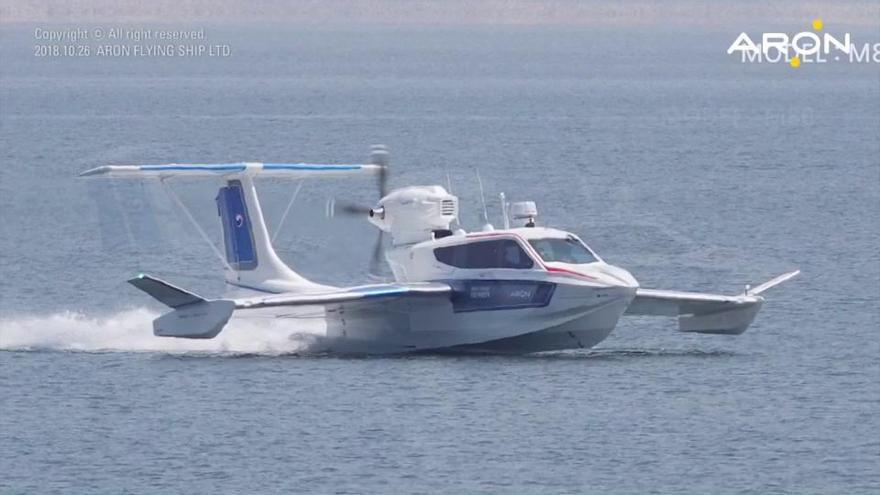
816, 46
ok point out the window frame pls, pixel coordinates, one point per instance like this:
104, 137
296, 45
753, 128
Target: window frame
524, 250
569, 237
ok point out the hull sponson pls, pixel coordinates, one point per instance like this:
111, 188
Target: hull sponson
583, 332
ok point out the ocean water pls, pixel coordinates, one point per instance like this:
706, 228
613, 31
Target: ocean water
670, 158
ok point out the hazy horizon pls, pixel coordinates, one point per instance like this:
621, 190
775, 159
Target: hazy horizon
448, 12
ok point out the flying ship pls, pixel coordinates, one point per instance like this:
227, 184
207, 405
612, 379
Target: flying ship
523, 288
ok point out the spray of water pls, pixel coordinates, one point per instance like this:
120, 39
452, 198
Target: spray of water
131, 331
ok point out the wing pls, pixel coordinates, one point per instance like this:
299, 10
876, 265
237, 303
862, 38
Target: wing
374, 318
378, 292
371, 308
276, 170
705, 313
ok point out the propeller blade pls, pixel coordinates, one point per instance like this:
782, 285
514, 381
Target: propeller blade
376, 260
383, 181
344, 208
379, 156
353, 209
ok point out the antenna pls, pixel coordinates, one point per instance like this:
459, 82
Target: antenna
504, 211
486, 224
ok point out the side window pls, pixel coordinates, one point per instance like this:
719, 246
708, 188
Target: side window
503, 253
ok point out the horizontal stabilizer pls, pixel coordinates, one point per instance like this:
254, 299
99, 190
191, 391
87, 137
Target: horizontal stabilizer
165, 293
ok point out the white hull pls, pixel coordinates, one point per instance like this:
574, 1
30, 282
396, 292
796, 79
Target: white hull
577, 316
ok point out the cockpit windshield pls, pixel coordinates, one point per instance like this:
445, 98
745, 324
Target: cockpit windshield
567, 250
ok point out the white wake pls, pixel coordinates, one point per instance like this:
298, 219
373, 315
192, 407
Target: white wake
132, 331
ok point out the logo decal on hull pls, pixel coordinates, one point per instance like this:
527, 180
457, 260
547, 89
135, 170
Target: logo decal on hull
492, 295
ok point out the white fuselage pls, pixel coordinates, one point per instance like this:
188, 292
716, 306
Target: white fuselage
518, 290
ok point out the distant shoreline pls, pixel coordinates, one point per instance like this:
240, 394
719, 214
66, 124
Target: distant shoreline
682, 13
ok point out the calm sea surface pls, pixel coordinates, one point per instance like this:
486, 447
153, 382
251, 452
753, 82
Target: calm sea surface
669, 157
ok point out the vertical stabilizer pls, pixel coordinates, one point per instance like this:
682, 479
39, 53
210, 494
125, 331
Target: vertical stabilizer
249, 252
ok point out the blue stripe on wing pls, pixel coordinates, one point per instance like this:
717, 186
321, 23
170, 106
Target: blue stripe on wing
380, 291
308, 166
209, 167
241, 167
350, 295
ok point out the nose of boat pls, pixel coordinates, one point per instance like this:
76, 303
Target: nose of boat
615, 275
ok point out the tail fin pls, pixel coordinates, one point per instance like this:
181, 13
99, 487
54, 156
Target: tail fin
249, 251
165, 293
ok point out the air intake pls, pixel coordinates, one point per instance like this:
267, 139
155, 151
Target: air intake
447, 208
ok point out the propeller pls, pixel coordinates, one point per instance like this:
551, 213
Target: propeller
378, 156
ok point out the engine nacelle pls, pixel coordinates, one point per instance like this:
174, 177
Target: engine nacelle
412, 214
